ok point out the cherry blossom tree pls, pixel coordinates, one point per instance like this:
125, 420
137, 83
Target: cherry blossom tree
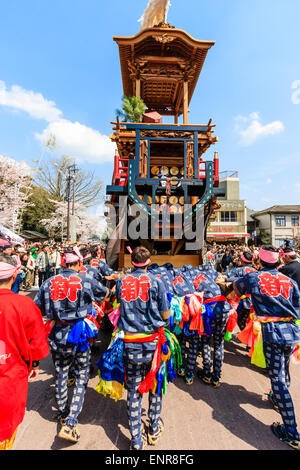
87, 227
14, 191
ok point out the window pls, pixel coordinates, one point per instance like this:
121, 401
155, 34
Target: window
228, 216
280, 221
295, 220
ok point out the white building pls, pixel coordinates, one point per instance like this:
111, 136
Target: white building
278, 223
229, 223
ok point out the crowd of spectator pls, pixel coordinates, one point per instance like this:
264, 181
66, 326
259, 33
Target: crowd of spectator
224, 258
39, 261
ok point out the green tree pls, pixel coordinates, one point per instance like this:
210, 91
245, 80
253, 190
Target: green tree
39, 207
132, 110
265, 237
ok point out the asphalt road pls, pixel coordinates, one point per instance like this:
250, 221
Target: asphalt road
237, 416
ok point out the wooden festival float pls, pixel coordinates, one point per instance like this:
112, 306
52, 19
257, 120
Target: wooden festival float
162, 166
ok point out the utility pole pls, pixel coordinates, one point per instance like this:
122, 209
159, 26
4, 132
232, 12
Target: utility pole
71, 179
68, 190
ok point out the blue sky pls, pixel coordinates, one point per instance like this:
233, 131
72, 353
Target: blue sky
59, 72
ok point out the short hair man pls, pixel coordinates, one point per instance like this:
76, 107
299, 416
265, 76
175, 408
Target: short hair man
276, 302
144, 309
67, 299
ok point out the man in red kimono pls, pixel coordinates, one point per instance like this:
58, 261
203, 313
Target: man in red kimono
22, 344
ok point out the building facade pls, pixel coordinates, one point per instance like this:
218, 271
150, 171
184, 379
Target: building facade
277, 224
229, 222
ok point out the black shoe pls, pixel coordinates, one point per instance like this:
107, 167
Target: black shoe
280, 432
215, 383
154, 438
180, 372
189, 380
206, 379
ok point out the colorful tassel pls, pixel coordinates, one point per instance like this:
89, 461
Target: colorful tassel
252, 336
111, 371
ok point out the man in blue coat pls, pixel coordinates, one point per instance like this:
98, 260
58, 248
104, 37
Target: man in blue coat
66, 299
276, 302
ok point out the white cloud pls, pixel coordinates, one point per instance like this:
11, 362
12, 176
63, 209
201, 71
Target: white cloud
79, 141
26, 100
72, 138
251, 129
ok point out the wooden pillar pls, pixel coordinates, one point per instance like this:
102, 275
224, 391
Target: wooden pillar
138, 88
185, 102
176, 119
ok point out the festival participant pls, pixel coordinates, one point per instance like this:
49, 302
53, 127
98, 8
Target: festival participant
276, 302
291, 266
144, 310
188, 340
87, 268
67, 299
244, 266
103, 268
219, 308
245, 304
165, 273
22, 345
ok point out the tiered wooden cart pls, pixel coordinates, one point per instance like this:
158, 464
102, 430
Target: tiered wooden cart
158, 166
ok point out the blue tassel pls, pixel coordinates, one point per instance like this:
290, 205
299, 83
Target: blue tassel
160, 377
111, 363
170, 297
80, 335
208, 317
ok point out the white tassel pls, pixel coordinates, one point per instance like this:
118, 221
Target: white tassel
155, 13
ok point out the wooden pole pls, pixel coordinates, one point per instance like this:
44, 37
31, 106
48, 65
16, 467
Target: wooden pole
138, 88
185, 102
176, 119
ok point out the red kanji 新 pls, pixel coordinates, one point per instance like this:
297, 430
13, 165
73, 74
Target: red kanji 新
198, 279
249, 270
133, 288
273, 286
178, 280
63, 288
